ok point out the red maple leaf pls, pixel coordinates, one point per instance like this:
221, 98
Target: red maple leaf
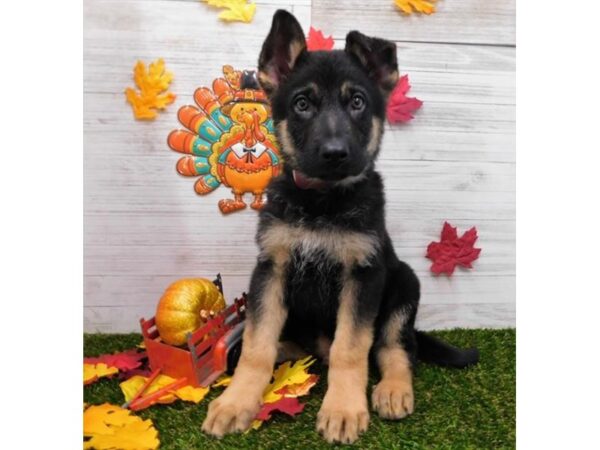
143, 371
452, 250
316, 40
400, 108
124, 361
288, 405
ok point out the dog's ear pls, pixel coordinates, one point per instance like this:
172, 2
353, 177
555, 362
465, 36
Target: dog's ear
378, 56
280, 51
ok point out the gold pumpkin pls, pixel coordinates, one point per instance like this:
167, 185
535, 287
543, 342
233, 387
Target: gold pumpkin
179, 310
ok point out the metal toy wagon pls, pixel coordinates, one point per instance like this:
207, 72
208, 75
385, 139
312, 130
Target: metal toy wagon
211, 350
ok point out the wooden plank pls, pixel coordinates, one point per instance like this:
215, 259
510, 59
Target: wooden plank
140, 290
411, 175
126, 244
440, 131
468, 113
438, 72
232, 255
487, 315
180, 199
118, 319
125, 229
456, 21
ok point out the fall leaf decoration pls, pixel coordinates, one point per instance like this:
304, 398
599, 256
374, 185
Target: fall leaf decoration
288, 405
234, 10
316, 41
289, 382
452, 250
99, 419
400, 108
188, 393
112, 427
143, 371
124, 361
421, 6
287, 375
93, 372
297, 390
222, 381
151, 82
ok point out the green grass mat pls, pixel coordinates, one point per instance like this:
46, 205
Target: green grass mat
472, 408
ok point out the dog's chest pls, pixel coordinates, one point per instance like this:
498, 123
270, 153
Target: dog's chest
285, 243
316, 262
312, 287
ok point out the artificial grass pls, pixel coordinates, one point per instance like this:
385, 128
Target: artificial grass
473, 408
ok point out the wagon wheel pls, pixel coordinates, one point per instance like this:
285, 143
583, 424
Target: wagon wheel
233, 356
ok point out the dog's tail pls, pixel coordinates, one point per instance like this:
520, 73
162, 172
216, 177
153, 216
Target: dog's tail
433, 350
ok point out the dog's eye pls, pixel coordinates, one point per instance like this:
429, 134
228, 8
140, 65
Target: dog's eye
301, 104
358, 101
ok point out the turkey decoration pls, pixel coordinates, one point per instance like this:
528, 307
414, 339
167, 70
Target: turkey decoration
229, 139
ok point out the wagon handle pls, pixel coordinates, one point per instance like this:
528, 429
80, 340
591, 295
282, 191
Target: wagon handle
149, 400
139, 393
218, 282
138, 402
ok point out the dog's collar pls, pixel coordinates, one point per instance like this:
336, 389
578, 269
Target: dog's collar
304, 182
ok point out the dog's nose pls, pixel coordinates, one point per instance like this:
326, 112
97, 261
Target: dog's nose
334, 151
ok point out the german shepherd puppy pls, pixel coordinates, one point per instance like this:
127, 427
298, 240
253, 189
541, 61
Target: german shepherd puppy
327, 278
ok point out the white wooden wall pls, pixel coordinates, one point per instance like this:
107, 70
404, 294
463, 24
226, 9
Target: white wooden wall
145, 227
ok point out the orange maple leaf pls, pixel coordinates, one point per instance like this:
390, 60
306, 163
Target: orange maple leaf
300, 389
410, 6
109, 427
151, 82
92, 372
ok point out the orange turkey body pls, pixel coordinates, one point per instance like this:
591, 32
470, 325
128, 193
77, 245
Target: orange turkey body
232, 139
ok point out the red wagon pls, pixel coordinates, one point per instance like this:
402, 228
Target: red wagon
211, 350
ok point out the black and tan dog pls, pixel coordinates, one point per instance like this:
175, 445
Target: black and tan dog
327, 278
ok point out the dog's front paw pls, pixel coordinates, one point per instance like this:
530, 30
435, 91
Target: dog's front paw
342, 420
393, 399
226, 415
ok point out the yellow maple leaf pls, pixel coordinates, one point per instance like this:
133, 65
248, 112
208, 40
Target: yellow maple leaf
188, 393
235, 10
410, 6
285, 375
151, 82
191, 394
256, 424
91, 372
111, 427
224, 380
99, 419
